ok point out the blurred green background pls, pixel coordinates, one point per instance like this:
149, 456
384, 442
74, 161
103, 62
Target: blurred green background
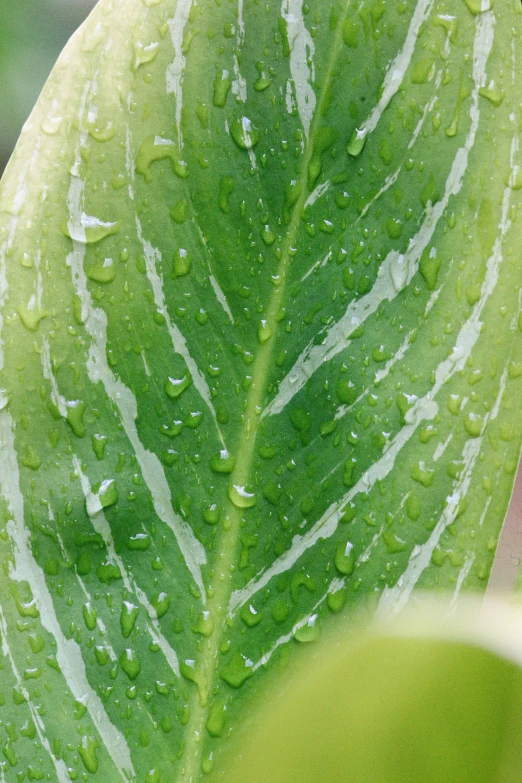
32, 35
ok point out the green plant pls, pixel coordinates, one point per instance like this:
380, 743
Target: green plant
261, 356
429, 698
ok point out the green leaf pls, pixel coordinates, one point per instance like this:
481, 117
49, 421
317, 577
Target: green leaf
424, 701
260, 331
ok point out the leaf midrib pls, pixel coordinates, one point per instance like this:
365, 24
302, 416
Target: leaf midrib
220, 588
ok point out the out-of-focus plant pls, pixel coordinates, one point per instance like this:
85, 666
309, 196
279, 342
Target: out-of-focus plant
430, 698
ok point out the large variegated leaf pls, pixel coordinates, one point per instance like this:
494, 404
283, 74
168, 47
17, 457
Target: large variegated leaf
261, 357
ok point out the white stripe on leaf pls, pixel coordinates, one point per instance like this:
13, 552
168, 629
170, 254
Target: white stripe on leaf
102, 527
302, 50
397, 270
59, 764
176, 69
26, 569
95, 320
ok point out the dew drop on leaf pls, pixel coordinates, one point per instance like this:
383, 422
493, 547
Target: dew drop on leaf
309, 631
237, 671
128, 617
222, 462
356, 144
241, 497
174, 387
344, 559
130, 663
87, 750
244, 133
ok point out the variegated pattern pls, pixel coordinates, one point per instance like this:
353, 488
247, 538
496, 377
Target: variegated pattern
260, 312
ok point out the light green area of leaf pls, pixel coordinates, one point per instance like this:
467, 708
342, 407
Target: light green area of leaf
260, 300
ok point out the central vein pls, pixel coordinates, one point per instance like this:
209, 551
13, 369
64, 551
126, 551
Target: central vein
220, 588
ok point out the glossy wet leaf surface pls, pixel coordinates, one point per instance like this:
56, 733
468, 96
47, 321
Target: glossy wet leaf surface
261, 356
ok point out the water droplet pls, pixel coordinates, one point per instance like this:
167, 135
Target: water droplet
244, 133
292, 194
103, 133
51, 125
144, 54
161, 604
250, 616
421, 72
91, 230
454, 403
202, 115
31, 315
90, 616
263, 81
87, 751
204, 624
108, 572
36, 642
336, 599
207, 763
264, 332
356, 144
279, 611
241, 497
327, 428
179, 211
422, 474
182, 263
267, 235
393, 543
222, 462
473, 424
324, 139
31, 458
101, 654
226, 188
139, 543
413, 508
201, 317
156, 148
310, 631
237, 671
130, 664
478, 6
346, 392
302, 421
101, 272
174, 387
222, 85
494, 96
394, 228
192, 672
429, 268
98, 445
128, 617
75, 412
217, 714
344, 559
108, 493
211, 514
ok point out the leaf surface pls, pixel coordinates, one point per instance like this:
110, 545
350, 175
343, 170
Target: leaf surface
261, 356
